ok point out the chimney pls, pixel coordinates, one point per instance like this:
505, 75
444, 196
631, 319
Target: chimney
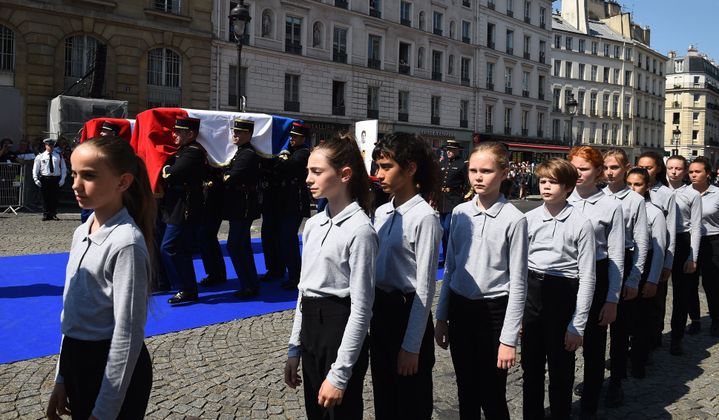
574, 13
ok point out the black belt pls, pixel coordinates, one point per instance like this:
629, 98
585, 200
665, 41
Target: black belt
394, 296
543, 276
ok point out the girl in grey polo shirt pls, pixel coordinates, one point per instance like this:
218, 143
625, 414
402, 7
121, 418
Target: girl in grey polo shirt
104, 370
401, 332
480, 308
336, 288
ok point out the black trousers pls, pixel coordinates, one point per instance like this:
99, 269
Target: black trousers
82, 365
551, 302
210, 251
50, 189
323, 325
595, 342
708, 267
641, 325
619, 330
474, 330
395, 396
681, 286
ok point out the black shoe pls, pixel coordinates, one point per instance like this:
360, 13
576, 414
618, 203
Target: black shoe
579, 389
638, 371
55, 218
289, 285
182, 297
675, 348
247, 293
694, 328
46, 218
615, 396
269, 276
212, 281
714, 330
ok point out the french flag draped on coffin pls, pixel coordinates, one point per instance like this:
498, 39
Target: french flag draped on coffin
152, 135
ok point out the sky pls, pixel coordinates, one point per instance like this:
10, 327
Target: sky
675, 24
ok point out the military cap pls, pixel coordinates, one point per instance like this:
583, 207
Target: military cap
452, 144
187, 123
243, 125
300, 129
108, 126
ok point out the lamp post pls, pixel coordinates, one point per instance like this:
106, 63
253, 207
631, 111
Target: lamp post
239, 20
571, 106
676, 136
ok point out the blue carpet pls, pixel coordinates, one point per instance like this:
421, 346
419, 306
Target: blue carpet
31, 289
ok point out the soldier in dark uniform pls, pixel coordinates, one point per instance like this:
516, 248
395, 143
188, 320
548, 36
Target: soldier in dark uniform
241, 206
182, 204
109, 129
210, 250
454, 186
289, 202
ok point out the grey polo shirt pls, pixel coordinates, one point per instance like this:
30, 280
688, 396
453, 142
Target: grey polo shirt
710, 211
658, 240
607, 218
106, 297
338, 259
689, 217
409, 237
564, 246
636, 232
487, 259
663, 197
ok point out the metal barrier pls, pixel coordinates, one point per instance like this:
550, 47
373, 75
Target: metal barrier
12, 187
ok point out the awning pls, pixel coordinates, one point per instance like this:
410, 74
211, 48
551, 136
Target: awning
531, 147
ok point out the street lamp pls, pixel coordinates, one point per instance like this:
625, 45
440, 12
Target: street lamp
676, 136
239, 20
571, 105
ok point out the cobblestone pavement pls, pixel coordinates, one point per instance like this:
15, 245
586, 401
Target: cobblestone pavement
234, 369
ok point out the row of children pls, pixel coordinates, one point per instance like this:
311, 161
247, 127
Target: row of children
555, 279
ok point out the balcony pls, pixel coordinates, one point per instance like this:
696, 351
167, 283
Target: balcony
490, 4
507, 130
338, 110
508, 89
375, 13
405, 22
525, 132
339, 57
605, 113
490, 86
542, 25
465, 81
490, 44
489, 128
373, 113
510, 50
542, 58
292, 106
525, 93
510, 13
527, 19
466, 40
293, 48
463, 123
374, 63
437, 31
527, 55
402, 116
436, 75
540, 96
403, 69
342, 4
435, 120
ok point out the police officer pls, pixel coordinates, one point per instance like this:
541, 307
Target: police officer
48, 172
286, 203
454, 186
241, 206
182, 208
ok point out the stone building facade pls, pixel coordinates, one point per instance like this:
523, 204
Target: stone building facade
692, 105
157, 53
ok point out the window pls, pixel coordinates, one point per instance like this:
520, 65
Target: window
339, 45
605, 104
582, 68
527, 46
163, 78
580, 132
580, 102
293, 35
436, 65
292, 92
593, 132
435, 110
568, 69
695, 135
169, 6
508, 80
557, 41
542, 17
627, 130
616, 76
374, 53
267, 22
627, 106
403, 105
605, 74
510, 42
404, 58
524, 117
542, 51
581, 46
232, 84
463, 112
450, 64
594, 74
593, 103
510, 8
568, 43
617, 51
375, 8
627, 78
615, 131
373, 102
490, 76
338, 98
490, 35
466, 64
540, 124
7, 56
421, 21
420, 58
527, 11
697, 98
605, 130
540, 88
466, 32
627, 54
556, 99
79, 60
437, 23
525, 84
317, 35
615, 105
507, 120
594, 47
488, 118
695, 117
555, 129
405, 13
606, 49
557, 67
